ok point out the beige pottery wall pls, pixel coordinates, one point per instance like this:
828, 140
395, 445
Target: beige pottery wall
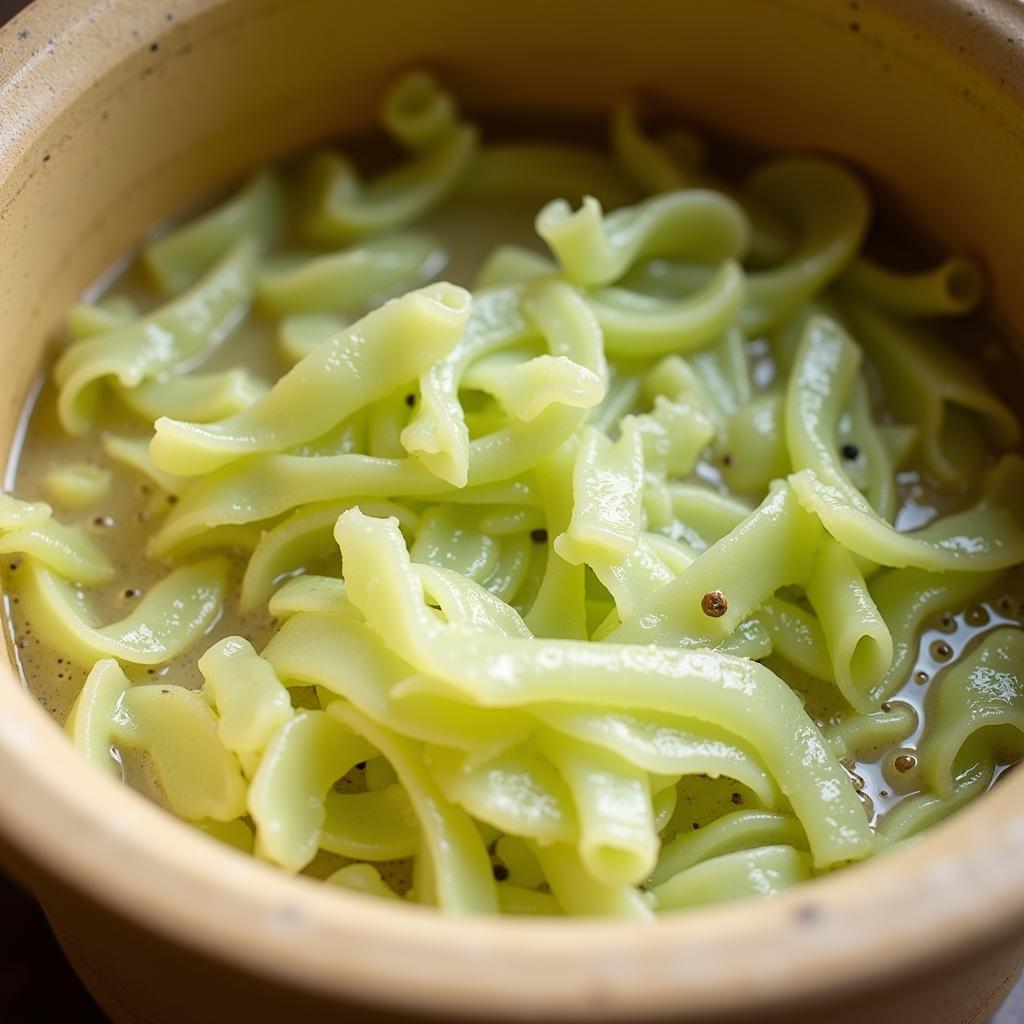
115, 112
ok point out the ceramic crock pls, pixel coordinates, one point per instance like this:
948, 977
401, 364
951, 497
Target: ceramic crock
113, 113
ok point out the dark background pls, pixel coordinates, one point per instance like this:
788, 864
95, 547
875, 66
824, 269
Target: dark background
36, 985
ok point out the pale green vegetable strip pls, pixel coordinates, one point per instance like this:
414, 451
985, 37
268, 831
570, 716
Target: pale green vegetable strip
663, 744
300, 539
514, 900
178, 259
512, 264
526, 387
771, 548
341, 207
757, 445
607, 481
362, 878
542, 170
202, 397
376, 825
749, 640
952, 288
923, 810
520, 861
250, 700
738, 830
569, 328
460, 868
630, 580
985, 537
67, 550
416, 111
468, 604
723, 379
578, 893
796, 636
906, 599
704, 516
347, 659
448, 538
674, 377
740, 696
169, 619
673, 435
265, 486
664, 804
858, 736
304, 758
988, 536
623, 396
933, 386
559, 608
617, 844
308, 593
879, 486
349, 279
135, 454
299, 334
830, 209
637, 326
437, 433
983, 691
369, 360
746, 874
89, 319
77, 484
17, 515
651, 165
519, 793
509, 575
676, 162
379, 774
191, 324
596, 249
178, 732
91, 722
236, 834
859, 643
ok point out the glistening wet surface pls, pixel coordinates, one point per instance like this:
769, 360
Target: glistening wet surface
36, 984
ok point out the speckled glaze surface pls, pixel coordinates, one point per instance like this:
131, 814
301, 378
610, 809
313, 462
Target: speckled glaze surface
115, 112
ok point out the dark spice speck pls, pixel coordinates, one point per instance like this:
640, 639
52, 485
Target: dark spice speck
714, 604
